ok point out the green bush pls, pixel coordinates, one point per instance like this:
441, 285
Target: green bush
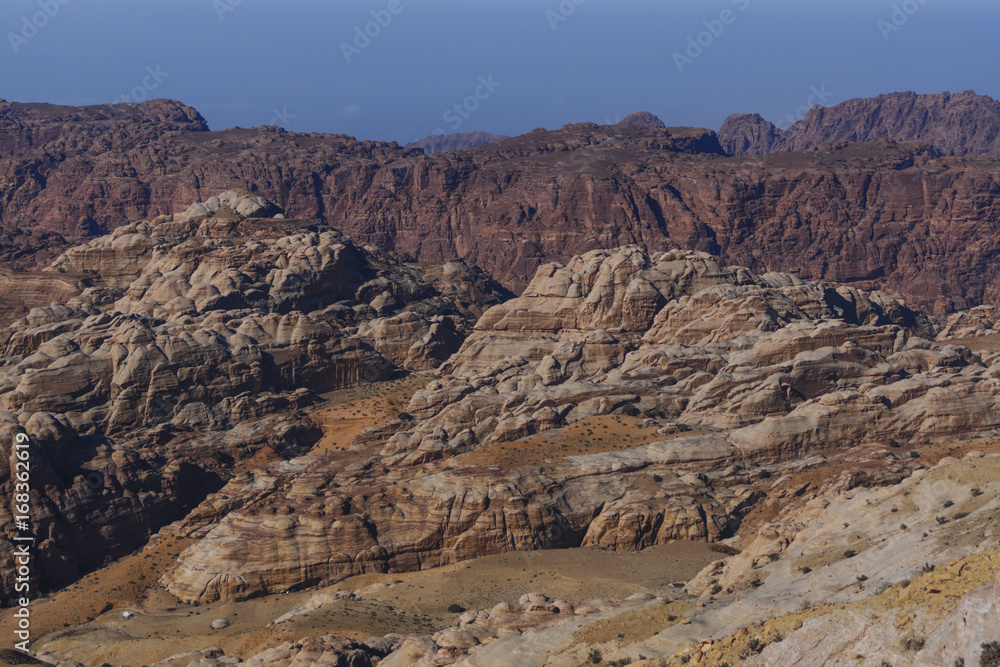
630, 411
456, 609
595, 657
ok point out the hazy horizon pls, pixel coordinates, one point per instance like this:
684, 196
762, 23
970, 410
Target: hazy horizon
509, 66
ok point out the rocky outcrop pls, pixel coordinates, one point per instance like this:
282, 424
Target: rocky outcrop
198, 336
959, 124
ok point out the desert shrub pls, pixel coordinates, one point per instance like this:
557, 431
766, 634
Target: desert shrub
455, 609
753, 647
805, 569
927, 568
657, 479
850, 553
941, 520
716, 589
990, 657
630, 411
948, 503
756, 583
862, 578
960, 516
912, 643
773, 557
959, 662
893, 443
724, 549
976, 492
764, 474
595, 657
903, 526
405, 416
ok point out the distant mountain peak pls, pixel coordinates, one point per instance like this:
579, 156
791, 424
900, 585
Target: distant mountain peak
643, 119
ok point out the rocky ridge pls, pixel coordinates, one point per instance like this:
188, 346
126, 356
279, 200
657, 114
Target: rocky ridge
959, 124
444, 143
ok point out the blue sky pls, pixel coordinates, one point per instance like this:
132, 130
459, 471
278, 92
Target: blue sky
550, 62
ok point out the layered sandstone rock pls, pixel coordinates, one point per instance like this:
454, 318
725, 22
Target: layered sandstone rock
774, 372
197, 336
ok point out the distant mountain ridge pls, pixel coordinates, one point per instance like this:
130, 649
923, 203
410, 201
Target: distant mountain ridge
899, 216
963, 124
460, 141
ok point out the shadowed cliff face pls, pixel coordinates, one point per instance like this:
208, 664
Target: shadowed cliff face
878, 214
